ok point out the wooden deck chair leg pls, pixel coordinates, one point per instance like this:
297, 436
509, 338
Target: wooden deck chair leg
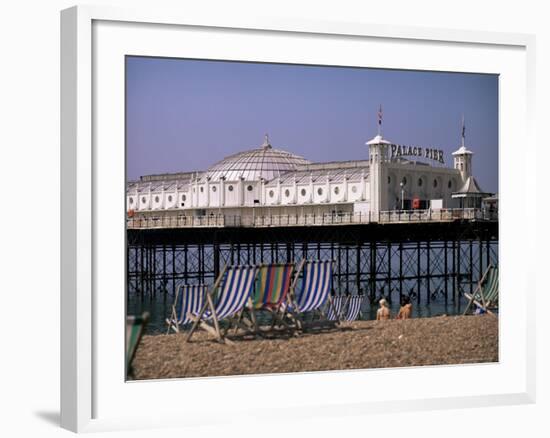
170, 321
174, 316
214, 318
254, 319
331, 305
197, 318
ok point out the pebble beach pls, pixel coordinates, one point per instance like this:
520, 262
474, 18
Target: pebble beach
439, 340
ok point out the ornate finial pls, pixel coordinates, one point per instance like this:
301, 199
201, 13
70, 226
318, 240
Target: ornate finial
266, 142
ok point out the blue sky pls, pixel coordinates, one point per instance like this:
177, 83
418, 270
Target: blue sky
186, 115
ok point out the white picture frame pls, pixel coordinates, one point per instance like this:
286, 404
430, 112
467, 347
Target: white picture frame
85, 197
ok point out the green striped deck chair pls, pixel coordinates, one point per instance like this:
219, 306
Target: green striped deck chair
272, 285
485, 297
270, 292
135, 324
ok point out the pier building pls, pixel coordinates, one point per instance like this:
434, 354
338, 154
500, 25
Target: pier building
263, 185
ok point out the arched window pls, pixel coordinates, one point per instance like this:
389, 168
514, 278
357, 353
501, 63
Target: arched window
271, 193
157, 199
303, 192
249, 188
319, 191
287, 193
214, 188
230, 188
336, 190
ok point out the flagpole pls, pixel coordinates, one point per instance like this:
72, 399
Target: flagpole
380, 121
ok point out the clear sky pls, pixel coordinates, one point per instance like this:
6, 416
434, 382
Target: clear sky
186, 115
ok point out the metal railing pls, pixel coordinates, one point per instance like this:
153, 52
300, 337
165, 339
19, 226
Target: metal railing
289, 220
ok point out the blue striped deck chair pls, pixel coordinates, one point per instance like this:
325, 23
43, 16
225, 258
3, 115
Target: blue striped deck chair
334, 311
231, 290
188, 301
316, 285
354, 307
314, 290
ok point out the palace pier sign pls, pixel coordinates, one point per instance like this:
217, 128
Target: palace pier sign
398, 150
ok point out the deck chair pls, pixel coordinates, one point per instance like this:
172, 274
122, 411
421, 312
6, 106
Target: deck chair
314, 291
135, 326
354, 307
272, 286
232, 289
334, 312
485, 296
188, 301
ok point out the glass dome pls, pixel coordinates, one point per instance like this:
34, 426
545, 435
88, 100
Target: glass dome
263, 162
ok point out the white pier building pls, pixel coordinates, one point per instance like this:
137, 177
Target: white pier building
265, 182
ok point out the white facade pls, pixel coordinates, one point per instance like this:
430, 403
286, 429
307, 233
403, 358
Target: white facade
268, 181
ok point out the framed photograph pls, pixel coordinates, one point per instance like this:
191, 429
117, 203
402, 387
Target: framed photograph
320, 212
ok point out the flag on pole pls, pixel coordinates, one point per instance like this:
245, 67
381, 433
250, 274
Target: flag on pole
380, 115
463, 128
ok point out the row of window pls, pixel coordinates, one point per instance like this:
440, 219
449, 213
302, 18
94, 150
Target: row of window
230, 188
157, 199
421, 182
303, 192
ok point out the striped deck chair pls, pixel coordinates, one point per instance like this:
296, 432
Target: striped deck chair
234, 286
354, 307
334, 312
188, 300
485, 295
315, 288
271, 289
134, 330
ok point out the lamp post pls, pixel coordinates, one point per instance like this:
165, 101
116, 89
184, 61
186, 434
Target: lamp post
402, 195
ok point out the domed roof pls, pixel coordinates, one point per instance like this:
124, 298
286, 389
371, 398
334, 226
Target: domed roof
252, 165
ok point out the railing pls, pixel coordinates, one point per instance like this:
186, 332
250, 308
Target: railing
384, 217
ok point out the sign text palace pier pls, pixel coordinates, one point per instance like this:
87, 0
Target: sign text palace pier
394, 226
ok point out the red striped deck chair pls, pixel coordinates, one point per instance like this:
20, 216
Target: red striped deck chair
270, 292
188, 301
231, 291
